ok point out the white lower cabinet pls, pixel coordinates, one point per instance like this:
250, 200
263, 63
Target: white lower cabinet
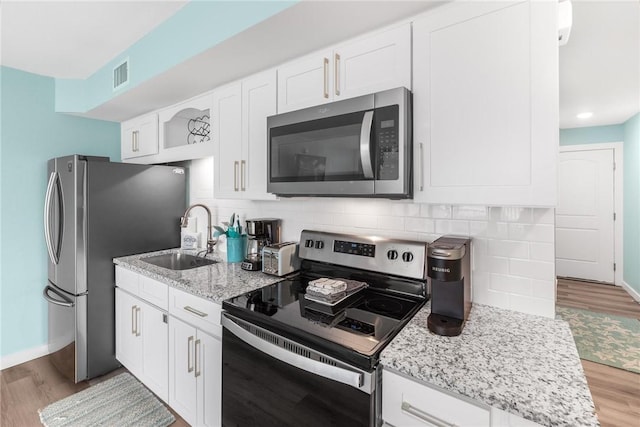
195, 374
408, 403
141, 341
171, 341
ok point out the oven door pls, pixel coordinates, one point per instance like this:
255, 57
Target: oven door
268, 380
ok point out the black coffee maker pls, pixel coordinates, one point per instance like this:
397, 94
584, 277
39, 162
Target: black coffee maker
449, 267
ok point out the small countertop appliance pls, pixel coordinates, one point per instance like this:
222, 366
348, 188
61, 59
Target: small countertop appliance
260, 233
449, 267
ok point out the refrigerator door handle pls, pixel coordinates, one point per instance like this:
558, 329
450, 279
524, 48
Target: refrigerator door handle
53, 185
66, 302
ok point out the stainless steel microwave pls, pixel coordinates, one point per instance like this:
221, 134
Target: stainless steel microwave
359, 147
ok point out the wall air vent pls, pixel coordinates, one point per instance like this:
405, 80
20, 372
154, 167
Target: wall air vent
121, 74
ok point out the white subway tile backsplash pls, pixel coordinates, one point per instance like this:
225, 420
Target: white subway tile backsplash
545, 289
419, 225
391, 223
532, 269
513, 247
470, 212
440, 211
509, 249
542, 251
510, 284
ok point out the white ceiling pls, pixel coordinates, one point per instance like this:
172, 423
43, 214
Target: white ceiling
599, 67
73, 39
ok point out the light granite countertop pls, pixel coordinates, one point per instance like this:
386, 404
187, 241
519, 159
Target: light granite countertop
215, 282
524, 364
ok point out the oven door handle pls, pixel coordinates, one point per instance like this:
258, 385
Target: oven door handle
352, 378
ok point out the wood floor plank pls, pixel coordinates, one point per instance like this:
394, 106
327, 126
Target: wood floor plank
615, 392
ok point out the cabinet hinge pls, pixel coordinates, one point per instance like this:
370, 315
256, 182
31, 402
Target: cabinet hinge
614, 266
614, 216
614, 165
165, 319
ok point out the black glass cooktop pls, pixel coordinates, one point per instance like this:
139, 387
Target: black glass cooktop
363, 323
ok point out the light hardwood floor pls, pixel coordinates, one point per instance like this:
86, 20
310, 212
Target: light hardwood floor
30, 386
615, 392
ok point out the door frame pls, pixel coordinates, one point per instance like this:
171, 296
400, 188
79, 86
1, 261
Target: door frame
618, 189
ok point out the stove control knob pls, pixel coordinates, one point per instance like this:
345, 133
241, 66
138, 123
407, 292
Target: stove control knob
392, 254
407, 257
319, 244
308, 243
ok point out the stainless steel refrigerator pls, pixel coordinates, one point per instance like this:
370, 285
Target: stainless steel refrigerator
96, 210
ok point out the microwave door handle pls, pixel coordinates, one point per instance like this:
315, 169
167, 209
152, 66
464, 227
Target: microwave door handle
365, 144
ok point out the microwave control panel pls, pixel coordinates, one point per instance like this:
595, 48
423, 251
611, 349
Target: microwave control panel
387, 143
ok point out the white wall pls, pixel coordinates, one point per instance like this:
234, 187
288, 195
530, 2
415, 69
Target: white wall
513, 248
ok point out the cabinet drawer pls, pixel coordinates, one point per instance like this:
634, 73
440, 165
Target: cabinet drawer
197, 311
155, 292
408, 403
127, 280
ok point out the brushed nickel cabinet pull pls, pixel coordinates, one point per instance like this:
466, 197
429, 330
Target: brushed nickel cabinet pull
421, 146
197, 353
432, 420
194, 311
137, 321
133, 320
336, 74
326, 78
235, 176
189, 355
243, 165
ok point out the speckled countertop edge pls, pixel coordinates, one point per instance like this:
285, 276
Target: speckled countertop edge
215, 282
524, 364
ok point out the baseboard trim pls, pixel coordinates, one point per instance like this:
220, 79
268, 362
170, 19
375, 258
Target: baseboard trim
634, 294
23, 356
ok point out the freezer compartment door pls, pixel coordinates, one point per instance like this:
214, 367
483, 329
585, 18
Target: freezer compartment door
67, 332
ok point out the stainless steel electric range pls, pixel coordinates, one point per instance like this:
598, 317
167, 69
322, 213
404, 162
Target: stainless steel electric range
290, 361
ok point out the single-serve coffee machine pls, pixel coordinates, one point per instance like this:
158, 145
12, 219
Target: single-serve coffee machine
449, 267
260, 233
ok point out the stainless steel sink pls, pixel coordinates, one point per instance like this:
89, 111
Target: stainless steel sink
177, 261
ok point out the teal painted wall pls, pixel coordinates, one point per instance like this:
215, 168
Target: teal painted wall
592, 135
32, 132
631, 274
196, 27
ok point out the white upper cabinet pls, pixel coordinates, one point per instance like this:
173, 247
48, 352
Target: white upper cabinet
370, 64
486, 104
240, 129
227, 117
179, 132
139, 137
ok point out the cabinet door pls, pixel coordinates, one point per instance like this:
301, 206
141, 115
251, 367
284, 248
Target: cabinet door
139, 137
227, 116
128, 344
305, 82
373, 64
258, 102
155, 350
182, 379
209, 374
486, 104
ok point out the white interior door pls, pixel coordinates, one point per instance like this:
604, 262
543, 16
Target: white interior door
584, 216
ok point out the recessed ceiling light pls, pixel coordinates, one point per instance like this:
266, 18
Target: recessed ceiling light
585, 115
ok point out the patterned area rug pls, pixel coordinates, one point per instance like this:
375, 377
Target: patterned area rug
605, 338
119, 401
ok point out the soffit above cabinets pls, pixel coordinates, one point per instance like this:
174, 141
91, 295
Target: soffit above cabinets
296, 31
